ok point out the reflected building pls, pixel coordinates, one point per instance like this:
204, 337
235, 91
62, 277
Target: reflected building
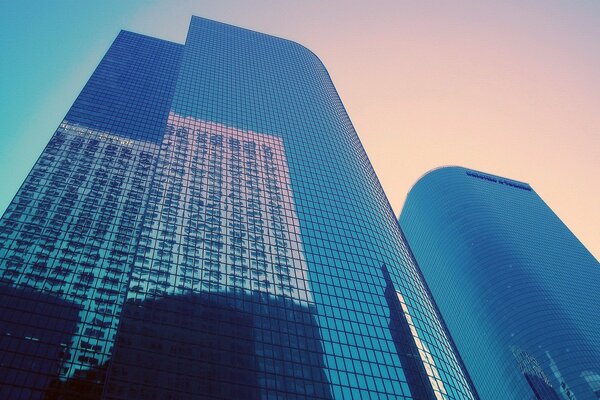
209, 222
422, 374
35, 331
517, 290
248, 344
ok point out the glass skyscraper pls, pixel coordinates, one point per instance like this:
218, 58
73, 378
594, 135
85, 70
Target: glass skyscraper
518, 292
205, 223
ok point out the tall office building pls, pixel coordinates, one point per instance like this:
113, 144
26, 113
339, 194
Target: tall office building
517, 290
205, 224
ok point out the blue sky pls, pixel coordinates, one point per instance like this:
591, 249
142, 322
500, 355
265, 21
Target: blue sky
510, 88
49, 49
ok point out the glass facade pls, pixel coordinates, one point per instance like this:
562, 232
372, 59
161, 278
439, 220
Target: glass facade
517, 290
205, 224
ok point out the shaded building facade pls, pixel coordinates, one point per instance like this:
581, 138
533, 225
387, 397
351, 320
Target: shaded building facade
211, 215
517, 290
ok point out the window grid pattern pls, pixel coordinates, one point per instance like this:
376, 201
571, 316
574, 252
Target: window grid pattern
70, 234
517, 290
243, 256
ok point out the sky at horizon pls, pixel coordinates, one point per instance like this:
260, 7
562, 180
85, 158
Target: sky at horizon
509, 88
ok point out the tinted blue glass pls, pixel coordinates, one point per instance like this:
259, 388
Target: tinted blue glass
130, 92
235, 244
518, 291
69, 236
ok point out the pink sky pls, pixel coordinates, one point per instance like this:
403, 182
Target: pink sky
510, 88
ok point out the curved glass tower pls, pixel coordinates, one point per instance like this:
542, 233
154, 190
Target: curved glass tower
205, 224
517, 290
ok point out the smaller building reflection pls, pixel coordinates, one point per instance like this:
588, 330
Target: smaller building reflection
226, 346
182, 345
36, 330
535, 375
421, 373
85, 384
593, 380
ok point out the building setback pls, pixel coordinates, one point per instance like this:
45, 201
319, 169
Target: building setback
205, 223
518, 291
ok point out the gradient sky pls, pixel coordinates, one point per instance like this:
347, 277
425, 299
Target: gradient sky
510, 88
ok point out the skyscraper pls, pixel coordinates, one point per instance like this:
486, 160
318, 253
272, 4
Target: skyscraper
518, 291
205, 223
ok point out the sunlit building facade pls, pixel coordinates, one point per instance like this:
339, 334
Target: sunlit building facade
205, 223
517, 290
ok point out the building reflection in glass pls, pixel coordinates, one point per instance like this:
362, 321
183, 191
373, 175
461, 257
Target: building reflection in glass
422, 375
213, 345
71, 231
163, 209
33, 323
220, 216
535, 376
219, 303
